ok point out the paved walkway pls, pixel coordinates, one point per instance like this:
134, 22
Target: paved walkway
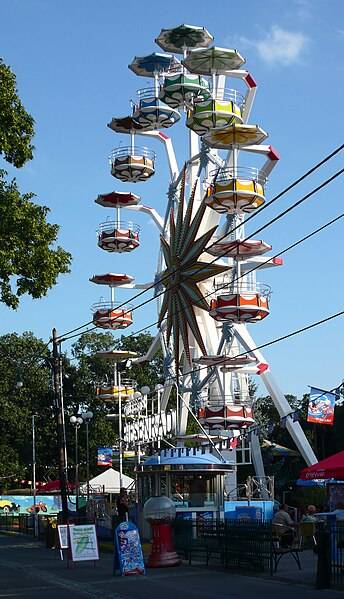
30, 571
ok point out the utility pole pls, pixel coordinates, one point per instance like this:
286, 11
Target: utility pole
34, 475
60, 425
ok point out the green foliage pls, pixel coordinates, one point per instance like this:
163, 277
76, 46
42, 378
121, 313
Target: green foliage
22, 358
147, 373
89, 370
16, 125
28, 263
27, 358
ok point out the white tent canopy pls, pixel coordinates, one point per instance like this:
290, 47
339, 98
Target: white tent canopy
108, 482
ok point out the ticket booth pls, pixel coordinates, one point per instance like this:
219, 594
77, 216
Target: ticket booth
191, 477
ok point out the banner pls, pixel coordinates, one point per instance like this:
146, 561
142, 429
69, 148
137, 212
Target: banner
45, 504
321, 406
104, 456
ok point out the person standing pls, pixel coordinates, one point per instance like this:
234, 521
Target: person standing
122, 505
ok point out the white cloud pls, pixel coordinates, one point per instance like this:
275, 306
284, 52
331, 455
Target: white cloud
279, 46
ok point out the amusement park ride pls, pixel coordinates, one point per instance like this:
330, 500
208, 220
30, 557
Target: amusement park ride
205, 281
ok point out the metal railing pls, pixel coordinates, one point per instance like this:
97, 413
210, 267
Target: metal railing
137, 151
226, 95
25, 523
224, 285
111, 225
235, 399
102, 305
236, 545
329, 537
250, 173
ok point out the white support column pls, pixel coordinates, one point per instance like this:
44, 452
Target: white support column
194, 165
257, 459
155, 216
278, 398
184, 408
171, 156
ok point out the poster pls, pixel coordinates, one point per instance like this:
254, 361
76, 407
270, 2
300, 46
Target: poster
128, 551
184, 516
83, 542
104, 456
321, 406
62, 530
336, 496
248, 514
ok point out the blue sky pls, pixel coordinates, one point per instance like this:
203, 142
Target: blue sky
71, 61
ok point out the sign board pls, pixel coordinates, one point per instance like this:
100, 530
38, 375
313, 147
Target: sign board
249, 514
135, 406
62, 530
104, 456
83, 542
128, 551
321, 406
150, 428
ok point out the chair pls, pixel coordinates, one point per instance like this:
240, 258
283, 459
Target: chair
307, 532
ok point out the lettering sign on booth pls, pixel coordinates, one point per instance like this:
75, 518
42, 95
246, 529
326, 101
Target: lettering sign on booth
128, 557
150, 428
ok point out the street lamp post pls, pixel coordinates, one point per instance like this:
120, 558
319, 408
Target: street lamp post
87, 417
76, 421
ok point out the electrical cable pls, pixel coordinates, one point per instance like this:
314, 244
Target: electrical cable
263, 345
276, 218
266, 205
280, 253
284, 251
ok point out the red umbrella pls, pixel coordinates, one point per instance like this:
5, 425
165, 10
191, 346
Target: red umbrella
332, 467
53, 485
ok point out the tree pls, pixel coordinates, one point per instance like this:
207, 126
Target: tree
23, 358
16, 125
27, 358
89, 370
29, 262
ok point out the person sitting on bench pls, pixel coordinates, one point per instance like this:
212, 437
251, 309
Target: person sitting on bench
284, 526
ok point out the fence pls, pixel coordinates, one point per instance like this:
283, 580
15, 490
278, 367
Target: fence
45, 527
235, 545
330, 548
25, 523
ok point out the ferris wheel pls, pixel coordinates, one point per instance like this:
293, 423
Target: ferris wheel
206, 288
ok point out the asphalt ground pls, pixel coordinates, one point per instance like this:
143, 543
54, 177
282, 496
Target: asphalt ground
29, 570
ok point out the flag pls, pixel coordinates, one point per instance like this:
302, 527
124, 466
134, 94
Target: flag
321, 406
104, 456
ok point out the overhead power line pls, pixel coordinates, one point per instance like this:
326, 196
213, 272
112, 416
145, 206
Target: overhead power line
255, 214
273, 220
267, 343
278, 254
